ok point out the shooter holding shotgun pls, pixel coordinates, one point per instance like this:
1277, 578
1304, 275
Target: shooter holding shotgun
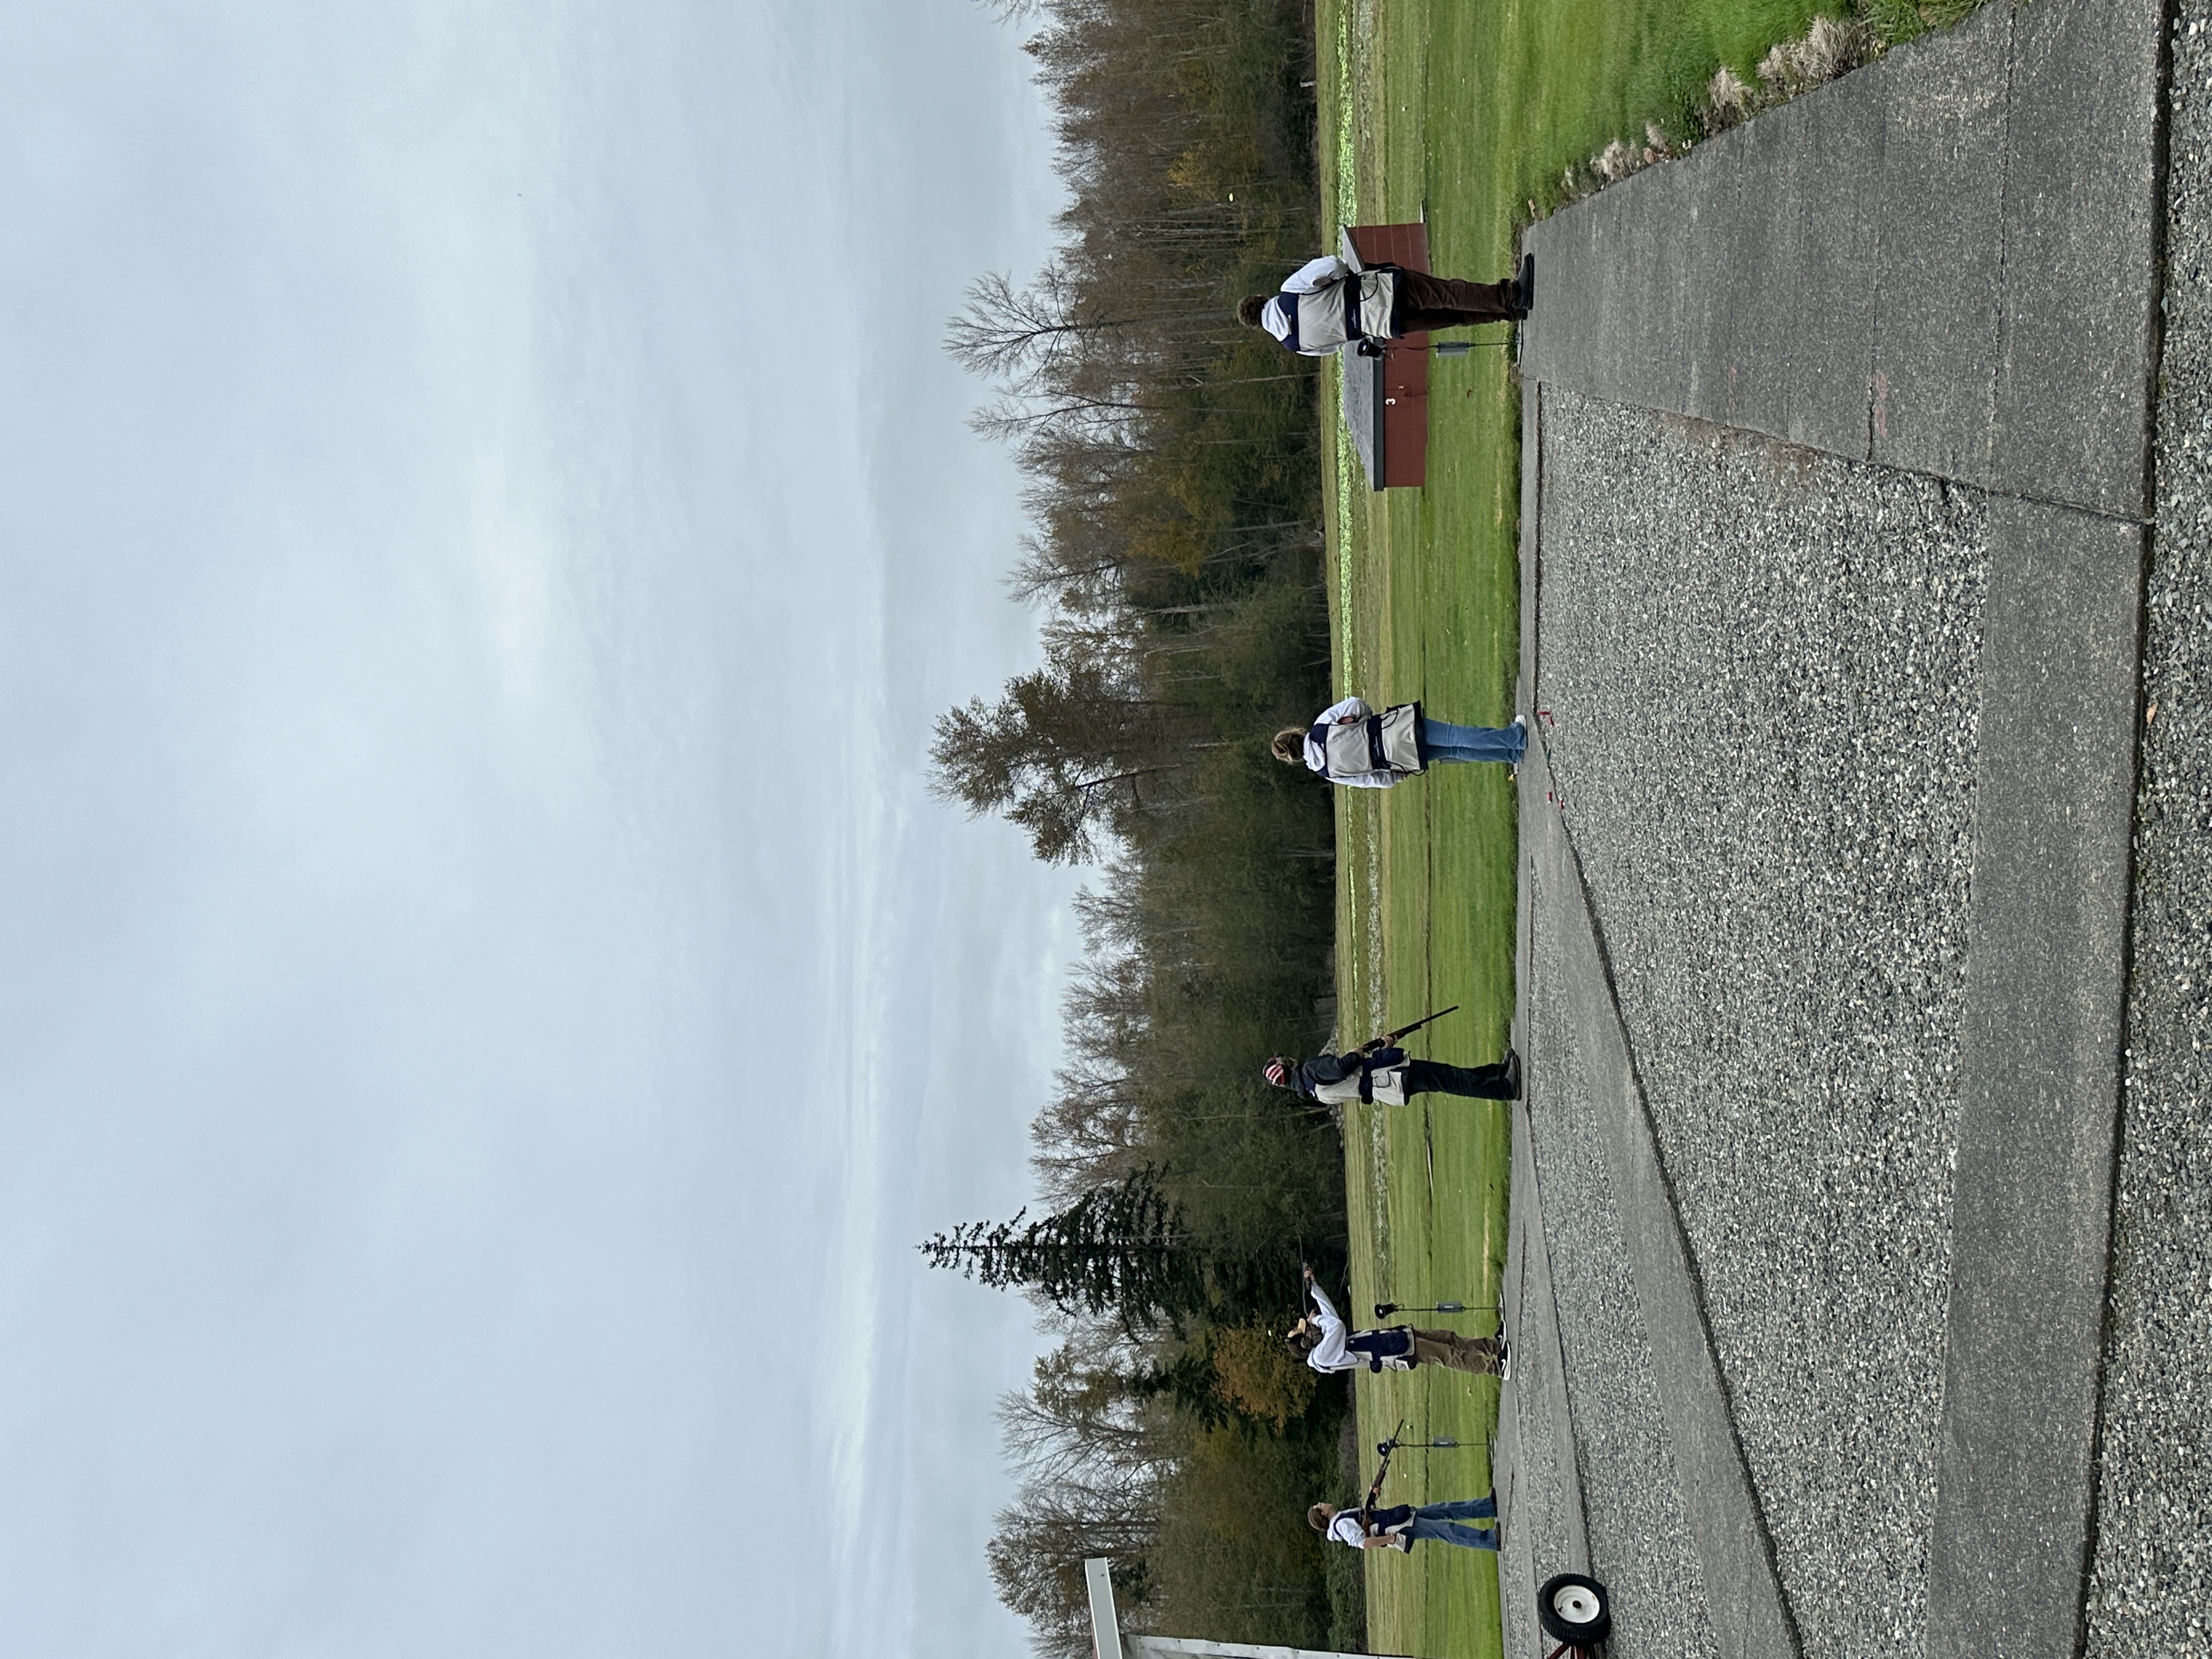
1320, 1339
1379, 1073
1373, 1526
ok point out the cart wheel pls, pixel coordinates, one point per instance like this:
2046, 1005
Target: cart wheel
1574, 1609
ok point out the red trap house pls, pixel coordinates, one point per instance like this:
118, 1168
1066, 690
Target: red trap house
1386, 398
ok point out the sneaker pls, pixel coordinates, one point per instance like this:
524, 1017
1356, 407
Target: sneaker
1524, 285
1505, 1359
1513, 1073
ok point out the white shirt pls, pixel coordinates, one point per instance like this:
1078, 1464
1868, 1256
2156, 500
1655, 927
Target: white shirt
1346, 1528
1317, 761
1275, 316
1329, 1355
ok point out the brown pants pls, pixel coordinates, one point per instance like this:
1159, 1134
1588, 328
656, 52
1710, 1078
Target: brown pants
1478, 1354
1425, 303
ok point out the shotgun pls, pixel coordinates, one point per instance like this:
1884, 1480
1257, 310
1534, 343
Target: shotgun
1391, 1039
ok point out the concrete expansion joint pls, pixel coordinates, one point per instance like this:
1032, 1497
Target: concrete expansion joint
1994, 492
2087, 509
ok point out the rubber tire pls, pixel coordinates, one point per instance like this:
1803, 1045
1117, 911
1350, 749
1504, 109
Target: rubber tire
1587, 1632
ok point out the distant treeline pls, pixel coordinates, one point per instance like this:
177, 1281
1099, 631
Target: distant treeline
1175, 562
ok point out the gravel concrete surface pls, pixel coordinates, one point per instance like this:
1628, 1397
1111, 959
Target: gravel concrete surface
2151, 1580
1760, 661
1542, 1533
1640, 1545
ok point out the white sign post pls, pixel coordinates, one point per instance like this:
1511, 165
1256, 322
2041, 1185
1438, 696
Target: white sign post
1105, 1623
1108, 1641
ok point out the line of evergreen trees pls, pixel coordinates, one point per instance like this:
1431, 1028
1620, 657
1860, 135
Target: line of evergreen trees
1174, 564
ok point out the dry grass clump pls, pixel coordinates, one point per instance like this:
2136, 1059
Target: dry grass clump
1619, 158
1827, 49
1831, 46
1731, 97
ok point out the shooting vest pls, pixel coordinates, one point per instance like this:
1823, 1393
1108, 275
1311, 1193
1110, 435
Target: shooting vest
1326, 317
1388, 742
1402, 1361
1384, 1085
1350, 1526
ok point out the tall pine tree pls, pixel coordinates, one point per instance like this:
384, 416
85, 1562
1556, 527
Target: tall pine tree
1121, 1248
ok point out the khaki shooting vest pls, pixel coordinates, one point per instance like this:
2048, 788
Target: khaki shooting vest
1319, 318
1388, 742
1388, 1083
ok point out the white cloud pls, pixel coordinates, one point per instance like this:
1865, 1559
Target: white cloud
489, 527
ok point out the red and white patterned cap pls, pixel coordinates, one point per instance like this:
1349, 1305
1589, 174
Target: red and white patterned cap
1277, 1073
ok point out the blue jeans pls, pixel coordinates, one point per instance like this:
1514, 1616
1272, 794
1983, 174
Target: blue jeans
1436, 1520
1445, 742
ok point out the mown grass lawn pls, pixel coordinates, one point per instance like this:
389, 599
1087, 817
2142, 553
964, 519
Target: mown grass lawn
1460, 112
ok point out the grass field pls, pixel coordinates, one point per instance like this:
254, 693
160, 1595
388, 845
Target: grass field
1460, 112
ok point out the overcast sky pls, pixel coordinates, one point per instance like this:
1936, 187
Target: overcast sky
489, 1008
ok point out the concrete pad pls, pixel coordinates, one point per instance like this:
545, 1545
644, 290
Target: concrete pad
1828, 172
1570, 277
2039, 1084
1641, 1541
1763, 662
1609, 309
1945, 262
1747, 292
1749, 1616
1940, 271
1537, 1477
1532, 516
1534, 1467
1696, 211
1790, 272
1665, 297
1742, 284
2081, 219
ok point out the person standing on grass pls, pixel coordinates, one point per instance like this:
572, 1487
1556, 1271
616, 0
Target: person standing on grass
1387, 1077
1399, 1525
1327, 305
1350, 743
1320, 1339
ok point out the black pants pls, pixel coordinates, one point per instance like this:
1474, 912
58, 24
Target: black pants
1433, 1077
1425, 303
